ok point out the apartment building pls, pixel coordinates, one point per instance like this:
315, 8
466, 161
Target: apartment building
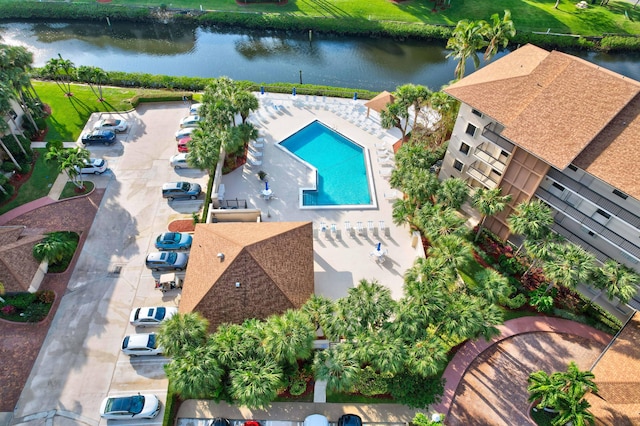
551, 126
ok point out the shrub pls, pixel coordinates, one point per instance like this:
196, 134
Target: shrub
619, 43
21, 300
54, 144
416, 391
542, 300
45, 296
36, 312
371, 383
298, 387
7, 166
9, 310
516, 302
9, 189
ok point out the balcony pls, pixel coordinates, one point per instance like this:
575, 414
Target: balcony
492, 132
482, 154
478, 175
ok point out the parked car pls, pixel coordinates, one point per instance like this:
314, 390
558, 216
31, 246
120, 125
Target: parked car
349, 420
138, 406
190, 121
183, 144
173, 241
93, 165
179, 161
142, 317
251, 423
105, 137
316, 420
173, 190
113, 124
167, 261
220, 421
195, 109
141, 345
183, 133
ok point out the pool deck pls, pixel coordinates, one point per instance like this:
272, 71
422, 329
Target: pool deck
340, 260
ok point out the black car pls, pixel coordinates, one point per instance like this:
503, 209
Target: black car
220, 421
105, 137
349, 420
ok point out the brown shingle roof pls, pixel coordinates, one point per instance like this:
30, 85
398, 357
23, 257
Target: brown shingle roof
380, 101
272, 261
617, 375
552, 104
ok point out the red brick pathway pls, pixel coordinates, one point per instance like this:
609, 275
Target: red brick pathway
21, 343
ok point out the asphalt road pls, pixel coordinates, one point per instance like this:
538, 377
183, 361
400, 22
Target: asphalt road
80, 362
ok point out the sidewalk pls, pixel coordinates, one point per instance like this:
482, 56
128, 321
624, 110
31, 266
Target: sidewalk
54, 195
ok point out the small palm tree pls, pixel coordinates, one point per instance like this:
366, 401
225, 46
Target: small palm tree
499, 32
569, 266
289, 337
195, 374
338, 366
70, 161
255, 383
617, 280
489, 202
95, 77
427, 357
531, 219
54, 247
452, 193
467, 38
60, 70
183, 332
453, 251
544, 388
491, 285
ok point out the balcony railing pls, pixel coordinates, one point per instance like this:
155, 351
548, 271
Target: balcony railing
481, 177
492, 132
486, 157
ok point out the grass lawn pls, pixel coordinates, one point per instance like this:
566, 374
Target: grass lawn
70, 114
528, 15
70, 190
43, 175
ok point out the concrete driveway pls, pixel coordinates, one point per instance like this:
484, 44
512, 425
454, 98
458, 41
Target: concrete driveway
80, 362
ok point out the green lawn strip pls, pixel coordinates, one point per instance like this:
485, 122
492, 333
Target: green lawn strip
349, 398
528, 15
70, 190
43, 175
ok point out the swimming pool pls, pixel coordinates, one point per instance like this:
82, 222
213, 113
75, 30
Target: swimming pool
341, 177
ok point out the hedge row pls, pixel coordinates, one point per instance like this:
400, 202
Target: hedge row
271, 21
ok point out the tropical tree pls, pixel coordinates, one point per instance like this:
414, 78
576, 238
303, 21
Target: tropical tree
435, 221
195, 373
427, 357
182, 332
70, 161
544, 388
337, 365
452, 193
95, 77
245, 102
466, 39
6, 94
319, 309
255, 382
489, 202
453, 252
542, 250
491, 285
498, 32
569, 266
395, 115
384, 351
61, 71
289, 337
617, 280
573, 410
54, 247
531, 219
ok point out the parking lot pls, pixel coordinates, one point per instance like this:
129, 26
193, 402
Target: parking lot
80, 362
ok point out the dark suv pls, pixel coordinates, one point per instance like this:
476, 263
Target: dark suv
105, 137
173, 190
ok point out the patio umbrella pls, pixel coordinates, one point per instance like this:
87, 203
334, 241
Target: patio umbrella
379, 246
266, 185
262, 90
293, 92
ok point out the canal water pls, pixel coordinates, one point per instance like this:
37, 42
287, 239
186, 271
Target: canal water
259, 56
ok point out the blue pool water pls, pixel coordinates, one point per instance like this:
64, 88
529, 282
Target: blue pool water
342, 173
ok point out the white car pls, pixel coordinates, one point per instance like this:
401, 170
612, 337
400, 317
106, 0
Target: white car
141, 344
138, 406
316, 420
183, 133
151, 315
195, 109
94, 165
191, 121
112, 124
179, 161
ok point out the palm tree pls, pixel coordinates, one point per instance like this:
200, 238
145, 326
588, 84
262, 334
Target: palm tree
95, 77
195, 374
499, 32
338, 366
367, 307
411, 95
289, 337
385, 352
54, 248
618, 280
569, 266
544, 388
245, 102
467, 38
403, 211
255, 383
319, 309
489, 202
182, 332
532, 219
60, 70
452, 251
542, 250
452, 193
427, 357
70, 161
573, 410
393, 116
436, 222
492, 286
227, 344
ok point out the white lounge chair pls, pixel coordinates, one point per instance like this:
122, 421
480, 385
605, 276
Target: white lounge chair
348, 229
371, 228
385, 172
361, 229
392, 195
254, 162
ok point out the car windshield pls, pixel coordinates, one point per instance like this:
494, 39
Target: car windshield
98, 163
125, 342
152, 341
171, 257
160, 313
185, 186
175, 237
132, 404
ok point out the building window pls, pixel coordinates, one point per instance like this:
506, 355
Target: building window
557, 186
476, 112
601, 217
471, 130
620, 194
496, 172
572, 167
464, 148
13, 114
504, 153
457, 165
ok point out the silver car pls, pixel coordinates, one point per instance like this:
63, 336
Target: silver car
141, 344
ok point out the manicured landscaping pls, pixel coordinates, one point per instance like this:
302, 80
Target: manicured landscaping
70, 190
26, 307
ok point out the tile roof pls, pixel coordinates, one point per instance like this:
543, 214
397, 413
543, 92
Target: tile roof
271, 261
556, 106
618, 379
380, 101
